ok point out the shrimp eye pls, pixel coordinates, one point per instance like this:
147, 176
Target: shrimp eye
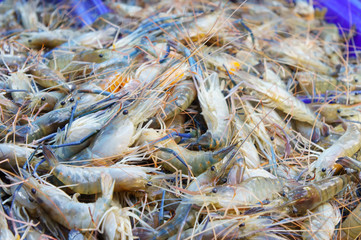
323, 169
272, 138
242, 224
101, 55
29, 40
149, 184
125, 112
71, 100
224, 180
43, 99
62, 103
213, 168
338, 111
33, 190
31, 199
214, 190
356, 80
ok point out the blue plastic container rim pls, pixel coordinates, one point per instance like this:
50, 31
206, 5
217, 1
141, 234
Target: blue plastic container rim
345, 14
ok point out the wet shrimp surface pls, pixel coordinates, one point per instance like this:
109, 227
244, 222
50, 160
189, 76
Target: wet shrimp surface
177, 120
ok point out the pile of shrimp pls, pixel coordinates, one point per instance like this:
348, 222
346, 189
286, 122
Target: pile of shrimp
178, 120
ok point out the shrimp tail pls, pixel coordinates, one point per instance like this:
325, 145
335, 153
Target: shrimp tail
107, 185
50, 156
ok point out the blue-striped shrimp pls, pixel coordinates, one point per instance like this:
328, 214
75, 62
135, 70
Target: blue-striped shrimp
215, 112
87, 180
66, 211
346, 146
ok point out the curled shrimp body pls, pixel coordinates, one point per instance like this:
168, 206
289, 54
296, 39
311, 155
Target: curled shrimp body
87, 180
67, 212
346, 146
215, 112
308, 197
352, 224
321, 224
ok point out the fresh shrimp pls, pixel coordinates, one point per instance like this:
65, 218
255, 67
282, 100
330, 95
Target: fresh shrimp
280, 98
195, 161
312, 82
122, 131
87, 180
215, 112
321, 222
351, 226
214, 229
183, 214
49, 39
247, 193
67, 212
183, 95
49, 78
307, 55
45, 101
17, 156
5, 232
82, 130
22, 82
310, 196
347, 145
81, 96
51, 121
247, 147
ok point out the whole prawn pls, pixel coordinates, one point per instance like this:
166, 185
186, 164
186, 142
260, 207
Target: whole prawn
67, 212
195, 161
215, 112
310, 196
346, 146
87, 180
